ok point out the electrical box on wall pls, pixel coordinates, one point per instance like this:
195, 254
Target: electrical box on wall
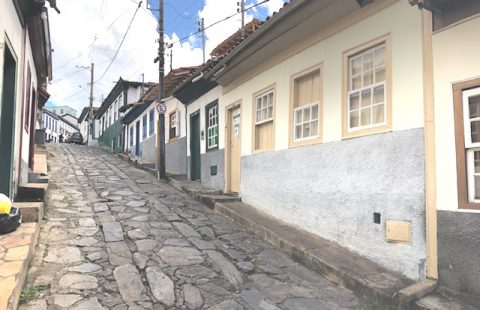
398, 231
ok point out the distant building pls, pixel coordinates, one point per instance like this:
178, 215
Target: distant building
83, 124
62, 110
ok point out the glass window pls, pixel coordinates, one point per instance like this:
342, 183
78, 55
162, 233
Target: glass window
264, 108
172, 123
367, 89
151, 121
212, 126
131, 136
471, 111
144, 127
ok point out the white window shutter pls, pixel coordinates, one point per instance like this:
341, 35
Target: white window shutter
178, 123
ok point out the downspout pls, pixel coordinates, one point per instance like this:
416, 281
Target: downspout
186, 142
429, 136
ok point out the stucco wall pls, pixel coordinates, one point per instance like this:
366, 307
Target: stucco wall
209, 159
459, 251
455, 59
147, 149
176, 157
112, 132
333, 189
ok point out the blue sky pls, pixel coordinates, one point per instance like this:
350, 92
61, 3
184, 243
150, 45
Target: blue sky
104, 24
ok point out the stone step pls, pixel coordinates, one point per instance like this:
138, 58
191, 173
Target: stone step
379, 285
31, 211
17, 250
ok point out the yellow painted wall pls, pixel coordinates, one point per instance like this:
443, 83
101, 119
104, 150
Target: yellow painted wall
456, 58
400, 20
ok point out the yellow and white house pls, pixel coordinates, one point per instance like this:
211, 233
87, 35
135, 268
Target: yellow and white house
324, 123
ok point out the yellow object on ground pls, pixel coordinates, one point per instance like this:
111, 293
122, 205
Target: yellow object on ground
5, 204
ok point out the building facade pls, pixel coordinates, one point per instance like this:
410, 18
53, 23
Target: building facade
62, 110
50, 122
25, 69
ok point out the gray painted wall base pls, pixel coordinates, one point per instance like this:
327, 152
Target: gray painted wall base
333, 189
207, 160
176, 158
459, 250
147, 149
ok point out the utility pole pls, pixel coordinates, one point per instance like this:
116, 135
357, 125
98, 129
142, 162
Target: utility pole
241, 9
201, 27
161, 117
171, 59
90, 111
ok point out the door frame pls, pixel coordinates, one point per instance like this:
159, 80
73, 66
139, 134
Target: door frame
137, 138
193, 115
8, 46
228, 125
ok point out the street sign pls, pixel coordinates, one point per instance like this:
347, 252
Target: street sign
161, 108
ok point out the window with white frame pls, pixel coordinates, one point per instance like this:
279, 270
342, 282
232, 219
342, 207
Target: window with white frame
172, 125
151, 121
264, 108
263, 120
306, 110
144, 126
367, 89
471, 117
212, 126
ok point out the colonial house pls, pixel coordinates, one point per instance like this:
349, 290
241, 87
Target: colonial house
452, 71
61, 110
109, 114
50, 125
204, 116
140, 122
323, 110
83, 125
25, 69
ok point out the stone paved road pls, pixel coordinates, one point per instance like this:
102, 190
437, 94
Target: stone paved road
115, 238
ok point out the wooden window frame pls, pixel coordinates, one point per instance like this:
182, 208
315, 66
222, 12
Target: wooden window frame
170, 127
207, 127
291, 119
347, 55
270, 88
462, 175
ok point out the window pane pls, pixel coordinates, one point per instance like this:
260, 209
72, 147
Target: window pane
315, 112
270, 112
475, 129
366, 98
270, 99
356, 65
474, 106
476, 162
354, 119
379, 56
354, 102
314, 128
357, 82
380, 75
367, 61
259, 103
264, 114
306, 115
368, 78
298, 132
378, 114
259, 116
298, 116
477, 187
366, 116
306, 130
379, 94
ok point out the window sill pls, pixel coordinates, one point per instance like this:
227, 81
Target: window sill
366, 132
305, 142
469, 206
262, 151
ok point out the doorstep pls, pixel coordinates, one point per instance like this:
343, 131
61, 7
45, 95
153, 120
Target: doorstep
16, 251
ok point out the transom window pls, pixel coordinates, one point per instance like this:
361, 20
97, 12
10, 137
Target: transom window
212, 126
471, 117
367, 89
264, 108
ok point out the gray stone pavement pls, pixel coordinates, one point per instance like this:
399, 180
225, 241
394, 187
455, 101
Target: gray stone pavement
116, 238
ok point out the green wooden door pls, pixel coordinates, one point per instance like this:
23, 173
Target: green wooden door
7, 122
195, 147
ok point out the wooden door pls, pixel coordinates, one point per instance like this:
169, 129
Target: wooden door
234, 156
195, 168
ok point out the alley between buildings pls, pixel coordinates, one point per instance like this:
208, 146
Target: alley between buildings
116, 238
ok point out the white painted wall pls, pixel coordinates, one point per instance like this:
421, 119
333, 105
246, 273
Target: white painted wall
456, 57
200, 104
407, 83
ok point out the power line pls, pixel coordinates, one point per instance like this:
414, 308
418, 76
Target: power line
121, 43
219, 21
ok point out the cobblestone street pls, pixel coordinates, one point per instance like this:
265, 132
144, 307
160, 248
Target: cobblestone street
116, 238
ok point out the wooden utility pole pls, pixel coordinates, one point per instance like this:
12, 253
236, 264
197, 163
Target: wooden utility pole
90, 110
161, 117
241, 9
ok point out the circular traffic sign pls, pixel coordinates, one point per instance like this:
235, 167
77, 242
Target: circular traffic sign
161, 108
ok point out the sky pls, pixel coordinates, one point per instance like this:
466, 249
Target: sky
91, 31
